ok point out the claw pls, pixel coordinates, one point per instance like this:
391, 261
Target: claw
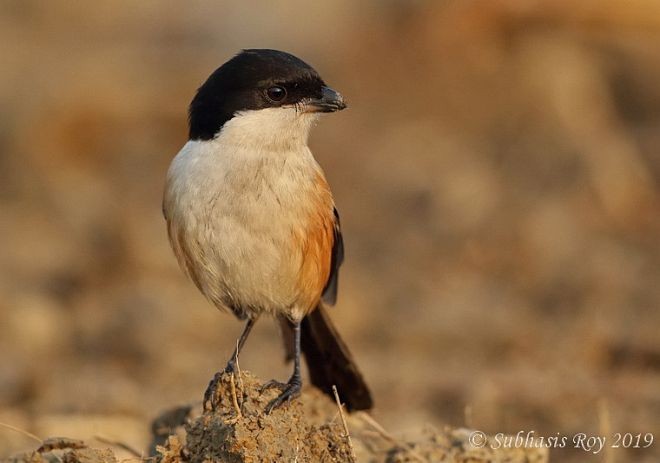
210, 402
273, 384
290, 391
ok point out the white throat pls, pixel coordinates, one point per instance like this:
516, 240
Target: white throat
271, 129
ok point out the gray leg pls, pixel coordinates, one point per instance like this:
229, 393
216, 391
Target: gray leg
209, 403
239, 347
292, 388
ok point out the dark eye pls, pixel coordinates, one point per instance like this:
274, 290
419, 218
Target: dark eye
276, 93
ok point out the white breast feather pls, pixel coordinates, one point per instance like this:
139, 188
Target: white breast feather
233, 203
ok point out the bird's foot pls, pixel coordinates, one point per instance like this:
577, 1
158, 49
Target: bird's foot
209, 403
290, 390
210, 395
273, 383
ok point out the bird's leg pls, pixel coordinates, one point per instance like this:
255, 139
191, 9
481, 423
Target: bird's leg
231, 364
209, 395
292, 388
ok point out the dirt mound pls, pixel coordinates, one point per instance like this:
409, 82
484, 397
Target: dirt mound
311, 429
307, 430
240, 431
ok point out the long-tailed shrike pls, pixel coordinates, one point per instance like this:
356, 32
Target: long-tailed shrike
251, 217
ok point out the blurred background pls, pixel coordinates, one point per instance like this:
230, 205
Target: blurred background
497, 175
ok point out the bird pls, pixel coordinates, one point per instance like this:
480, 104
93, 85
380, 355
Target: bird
252, 220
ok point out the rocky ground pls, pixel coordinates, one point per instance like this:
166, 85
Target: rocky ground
309, 429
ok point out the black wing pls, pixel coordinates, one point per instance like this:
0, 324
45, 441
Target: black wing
330, 290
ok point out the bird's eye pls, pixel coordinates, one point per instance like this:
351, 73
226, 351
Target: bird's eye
276, 93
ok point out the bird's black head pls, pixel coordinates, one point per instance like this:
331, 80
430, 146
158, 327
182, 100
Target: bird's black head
258, 79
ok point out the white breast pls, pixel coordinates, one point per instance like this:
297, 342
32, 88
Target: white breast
233, 204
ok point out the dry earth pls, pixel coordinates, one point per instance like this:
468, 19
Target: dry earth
311, 429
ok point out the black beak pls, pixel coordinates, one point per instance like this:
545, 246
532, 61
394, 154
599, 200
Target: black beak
329, 102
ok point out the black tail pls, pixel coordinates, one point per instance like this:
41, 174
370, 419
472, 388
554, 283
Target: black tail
329, 361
